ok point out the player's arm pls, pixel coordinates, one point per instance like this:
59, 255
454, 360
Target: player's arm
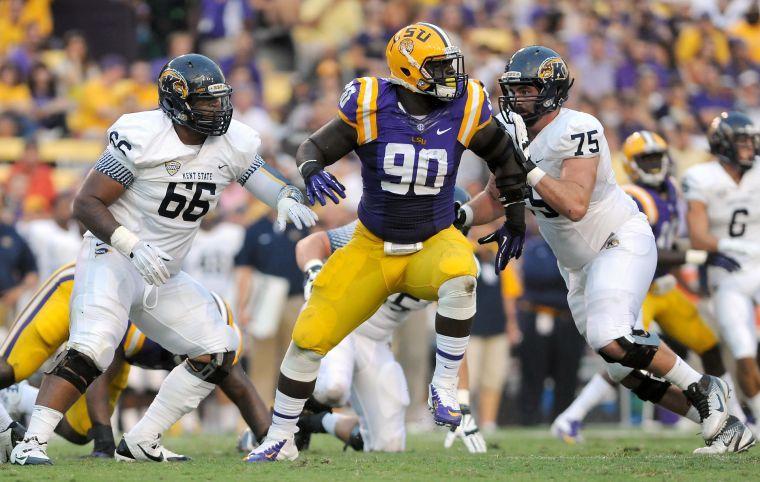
270, 186
105, 183
505, 161
569, 195
239, 388
324, 147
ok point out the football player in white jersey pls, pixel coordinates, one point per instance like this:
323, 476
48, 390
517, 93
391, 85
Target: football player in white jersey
724, 217
142, 203
604, 246
362, 369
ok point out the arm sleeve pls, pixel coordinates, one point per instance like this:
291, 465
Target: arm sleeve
268, 184
340, 236
692, 187
477, 112
583, 137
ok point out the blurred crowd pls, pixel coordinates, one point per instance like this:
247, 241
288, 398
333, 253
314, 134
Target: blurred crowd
668, 66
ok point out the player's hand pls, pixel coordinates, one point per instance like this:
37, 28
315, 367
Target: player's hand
510, 238
150, 262
103, 442
320, 183
468, 432
739, 246
723, 261
309, 275
288, 209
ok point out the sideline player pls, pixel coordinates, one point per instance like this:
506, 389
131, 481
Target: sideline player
362, 368
724, 217
43, 326
409, 131
604, 245
648, 166
162, 172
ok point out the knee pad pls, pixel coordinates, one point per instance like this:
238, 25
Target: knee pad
649, 389
300, 365
76, 368
214, 371
640, 348
456, 298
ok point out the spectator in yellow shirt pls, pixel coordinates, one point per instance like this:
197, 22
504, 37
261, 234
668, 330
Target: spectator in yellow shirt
99, 105
748, 30
14, 94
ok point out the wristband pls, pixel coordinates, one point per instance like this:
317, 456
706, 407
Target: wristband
311, 264
468, 215
535, 175
124, 240
696, 256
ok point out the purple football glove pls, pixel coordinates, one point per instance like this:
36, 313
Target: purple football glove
723, 261
320, 183
510, 239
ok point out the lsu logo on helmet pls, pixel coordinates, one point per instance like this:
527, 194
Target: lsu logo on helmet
422, 58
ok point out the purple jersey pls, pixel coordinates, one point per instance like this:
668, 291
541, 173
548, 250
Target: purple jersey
409, 164
663, 210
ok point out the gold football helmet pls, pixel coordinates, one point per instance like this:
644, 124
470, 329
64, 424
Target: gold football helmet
646, 158
422, 59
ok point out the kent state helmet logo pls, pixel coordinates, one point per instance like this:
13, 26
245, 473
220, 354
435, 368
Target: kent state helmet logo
553, 68
172, 167
176, 81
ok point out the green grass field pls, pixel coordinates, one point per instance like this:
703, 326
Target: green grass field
512, 454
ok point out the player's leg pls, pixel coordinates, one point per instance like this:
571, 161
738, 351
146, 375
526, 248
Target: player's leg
336, 373
185, 318
567, 425
105, 286
679, 318
736, 318
348, 290
445, 270
379, 396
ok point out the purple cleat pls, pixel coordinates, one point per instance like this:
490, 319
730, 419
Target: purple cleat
442, 402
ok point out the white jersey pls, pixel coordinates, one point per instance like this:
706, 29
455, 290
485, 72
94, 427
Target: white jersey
211, 260
733, 211
577, 134
52, 245
170, 185
381, 325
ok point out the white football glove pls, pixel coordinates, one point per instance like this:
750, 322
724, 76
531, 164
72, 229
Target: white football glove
288, 209
739, 246
150, 262
468, 432
311, 270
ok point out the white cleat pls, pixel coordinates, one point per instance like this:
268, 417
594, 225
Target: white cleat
30, 452
151, 450
735, 437
710, 397
273, 449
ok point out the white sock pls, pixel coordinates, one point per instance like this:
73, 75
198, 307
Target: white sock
43, 423
596, 390
693, 415
180, 393
329, 421
734, 408
682, 375
285, 415
5, 419
448, 356
754, 405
